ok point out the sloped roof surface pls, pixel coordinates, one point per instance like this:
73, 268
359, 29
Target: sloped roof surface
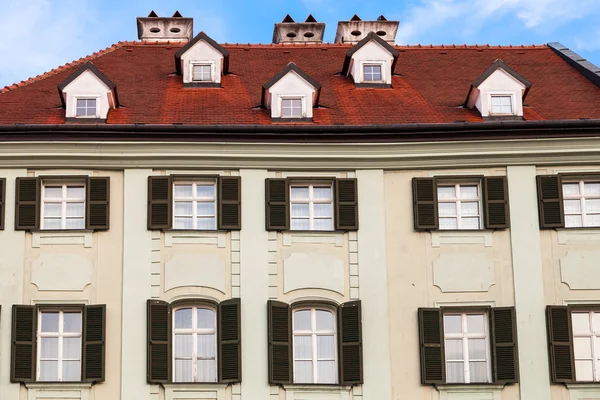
429, 86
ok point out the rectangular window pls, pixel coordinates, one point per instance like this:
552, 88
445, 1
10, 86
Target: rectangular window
311, 207
202, 73
63, 205
466, 347
59, 346
86, 108
291, 108
372, 73
581, 201
459, 205
586, 345
195, 205
502, 105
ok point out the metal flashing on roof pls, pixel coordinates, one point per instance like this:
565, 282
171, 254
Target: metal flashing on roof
583, 66
211, 42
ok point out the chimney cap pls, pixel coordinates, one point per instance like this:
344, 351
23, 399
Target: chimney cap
152, 15
288, 19
355, 18
177, 15
165, 29
310, 18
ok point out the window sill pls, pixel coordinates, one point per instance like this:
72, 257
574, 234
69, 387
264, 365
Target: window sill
320, 391
583, 390
195, 237
578, 235
61, 237
175, 391
203, 84
58, 390
373, 85
470, 391
319, 237
59, 385
452, 237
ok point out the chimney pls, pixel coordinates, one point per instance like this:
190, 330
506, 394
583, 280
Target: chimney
289, 31
356, 29
164, 29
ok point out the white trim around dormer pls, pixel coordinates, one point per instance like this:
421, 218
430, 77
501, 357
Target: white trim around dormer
280, 99
213, 70
361, 66
504, 93
87, 97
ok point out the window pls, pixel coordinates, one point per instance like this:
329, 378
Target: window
581, 201
86, 108
311, 207
459, 206
586, 345
502, 105
63, 205
315, 346
202, 72
59, 351
195, 345
372, 73
467, 348
195, 205
291, 108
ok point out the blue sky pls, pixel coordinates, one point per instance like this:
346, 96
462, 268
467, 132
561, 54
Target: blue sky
38, 35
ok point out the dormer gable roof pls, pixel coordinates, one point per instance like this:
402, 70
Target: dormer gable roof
202, 36
291, 67
499, 64
87, 66
371, 36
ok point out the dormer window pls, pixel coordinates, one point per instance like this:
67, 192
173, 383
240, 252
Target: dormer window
202, 62
372, 72
86, 108
291, 107
502, 105
202, 72
371, 62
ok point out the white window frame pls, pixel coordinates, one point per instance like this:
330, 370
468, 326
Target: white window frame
313, 333
86, 97
594, 337
582, 197
300, 97
458, 200
63, 200
500, 94
311, 201
372, 63
212, 71
195, 200
195, 331
465, 339
60, 335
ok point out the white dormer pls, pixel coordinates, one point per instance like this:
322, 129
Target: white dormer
291, 94
88, 94
371, 62
202, 62
499, 92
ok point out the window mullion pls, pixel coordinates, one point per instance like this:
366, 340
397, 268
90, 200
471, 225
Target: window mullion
466, 368
60, 344
311, 206
313, 323
63, 216
595, 350
194, 345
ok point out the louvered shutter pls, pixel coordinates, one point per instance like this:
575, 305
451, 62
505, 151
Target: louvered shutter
431, 338
280, 343
560, 340
230, 342
97, 207
94, 343
27, 213
550, 202
2, 203
504, 345
496, 202
350, 343
277, 205
24, 322
346, 204
230, 202
159, 342
160, 191
425, 204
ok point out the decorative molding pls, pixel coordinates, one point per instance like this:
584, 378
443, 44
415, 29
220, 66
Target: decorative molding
155, 266
213, 391
196, 269
583, 391
311, 174
470, 392
465, 304
273, 255
574, 170
61, 172
566, 236
62, 391
579, 270
194, 172
336, 238
321, 392
61, 272
353, 264
49, 238
463, 272
484, 237
217, 238
313, 271
567, 302
457, 173
236, 278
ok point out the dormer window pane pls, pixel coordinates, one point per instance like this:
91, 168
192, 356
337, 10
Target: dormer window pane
291, 108
86, 108
372, 73
202, 73
502, 105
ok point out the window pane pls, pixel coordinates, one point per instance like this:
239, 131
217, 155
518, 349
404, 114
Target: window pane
322, 210
327, 372
81, 112
71, 371
591, 188
183, 191
302, 320
454, 349
469, 192
300, 210
470, 223
323, 225
53, 192
206, 223
183, 346
183, 223
52, 209
299, 192
447, 209
75, 192
592, 206
454, 372
572, 206
49, 322
584, 370
322, 192
183, 208
582, 347
49, 348
478, 371
581, 322
448, 223
49, 371
471, 208
51, 223
302, 347
573, 221
75, 223
207, 209
75, 210
496, 100
303, 372
81, 103
446, 192
593, 220
452, 323
570, 189
597, 325
286, 103
206, 318
207, 371
475, 323
477, 349
72, 348
325, 347
205, 191
183, 370
300, 225
183, 318
206, 346
325, 320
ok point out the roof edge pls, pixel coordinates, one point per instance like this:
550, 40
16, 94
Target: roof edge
201, 36
370, 36
583, 66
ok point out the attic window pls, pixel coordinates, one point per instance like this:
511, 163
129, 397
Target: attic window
86, 108
502, 105
201, 72
291, 107
372, 73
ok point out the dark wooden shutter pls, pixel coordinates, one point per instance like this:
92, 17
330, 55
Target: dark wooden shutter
504, 345
27, 213
278, 205
94, 343
159, 342
560, 340
350, 343
425, 204
496, 202
230, 342
160, 208
97, 207
550, 202
2, 202
24, 322
346, 204
280, 342
431, 338
230, 196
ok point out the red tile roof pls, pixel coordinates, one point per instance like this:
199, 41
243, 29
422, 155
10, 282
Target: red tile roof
430, 85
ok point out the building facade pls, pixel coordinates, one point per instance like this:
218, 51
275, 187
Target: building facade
301, 221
